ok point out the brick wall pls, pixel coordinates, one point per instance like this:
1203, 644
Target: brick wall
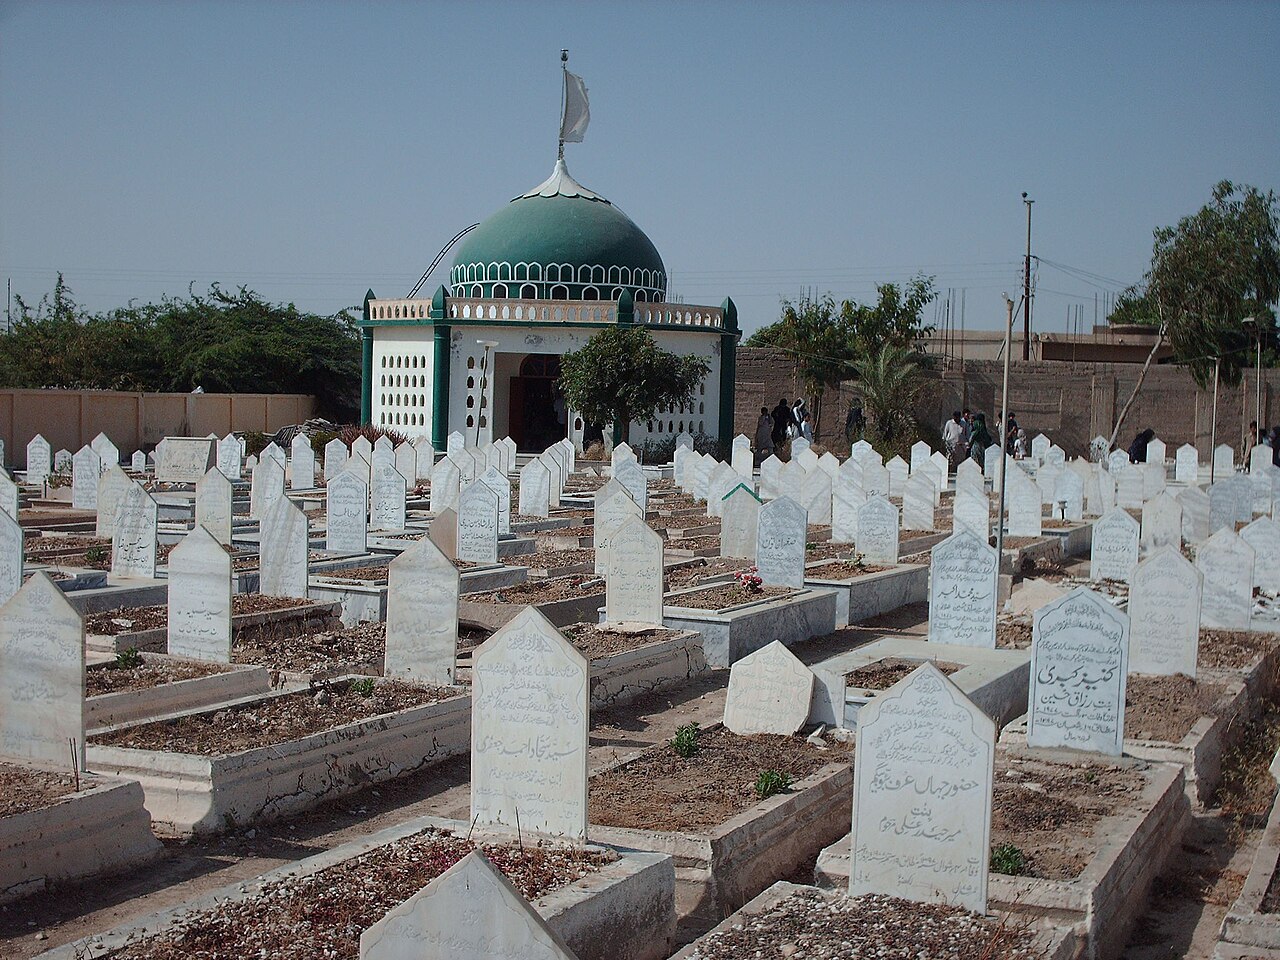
1072, 402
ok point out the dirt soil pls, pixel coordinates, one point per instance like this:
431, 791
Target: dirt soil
1165, 708
843, 570
1049, 810
1013, 633
594, 642
36, 547
694, 543
378, 573
883, 674
827, 550
702, 567
22, 790
807, 924
660, 790
543, 591
323, 915
1016, 543
365, 643
1233, 649
718, 596
471, 636
110, 623
277, 720
550, 559
112, 678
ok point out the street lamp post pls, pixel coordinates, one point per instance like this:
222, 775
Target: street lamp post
484, 384
1004, 429
1257, 377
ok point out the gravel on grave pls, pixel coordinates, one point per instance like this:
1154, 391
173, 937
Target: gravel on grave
1233, 649
1049, 810
1017, 543
843, 570
660, 790
134, 619
565, 532
23, 789
1013, 633
114, 678
718, 596
275, 720
323, 915
542, 591
883, 674
365, 643
809, 925
594, 642
550, 559
36, 546
694, 543
826, 550
375, 573
697, 569
1165, 708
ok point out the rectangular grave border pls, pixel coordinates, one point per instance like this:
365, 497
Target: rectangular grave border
731, 633
871, 594
722, 867
995, 680
1103, 902
561, 613
1199, 752
144, 704
365, 601
287, 621
1076, 540
100, 830
1051, 944
628, 904
191, 794
1245, 923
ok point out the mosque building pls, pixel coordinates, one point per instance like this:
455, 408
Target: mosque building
532, 282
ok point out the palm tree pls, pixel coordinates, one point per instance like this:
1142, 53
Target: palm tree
892, 380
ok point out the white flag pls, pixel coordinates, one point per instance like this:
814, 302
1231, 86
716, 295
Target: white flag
576, 112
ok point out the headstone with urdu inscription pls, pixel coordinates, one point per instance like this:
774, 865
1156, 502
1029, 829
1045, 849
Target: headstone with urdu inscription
302, 463
527, 677
133, 543
1079, 667
535, 489
200, 597
387, 503
633, 591
422, 615
478, 524
10, 556
612, 505
283, 554
346, 519
962, 591
213, 505
1114, 552
769, 692
1164, 614
1227, 564
1263, 535
878, 532
780, 541
741, 521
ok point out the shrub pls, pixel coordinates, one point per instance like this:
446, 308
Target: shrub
127, 659
97, 554
685, 741
1008, 860
349, 434
770, 782
363, 688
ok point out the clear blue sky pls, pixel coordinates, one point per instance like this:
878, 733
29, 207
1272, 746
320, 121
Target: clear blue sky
312, 150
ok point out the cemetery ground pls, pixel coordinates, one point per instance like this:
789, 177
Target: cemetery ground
1186, 908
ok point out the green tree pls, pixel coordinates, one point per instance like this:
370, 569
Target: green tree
220, 341
827, 340
892, 380
1208, 273
621, 375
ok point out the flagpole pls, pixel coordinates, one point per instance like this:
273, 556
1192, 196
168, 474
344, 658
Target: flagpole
564, 80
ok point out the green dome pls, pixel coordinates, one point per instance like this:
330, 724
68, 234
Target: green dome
559, 241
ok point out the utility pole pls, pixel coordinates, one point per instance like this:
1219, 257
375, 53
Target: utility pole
1004, 430
1026, 287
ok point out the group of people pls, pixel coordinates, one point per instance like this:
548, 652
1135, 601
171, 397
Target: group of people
966, 435
784, 422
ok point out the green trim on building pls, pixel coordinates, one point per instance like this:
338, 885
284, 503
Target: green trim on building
366, 364
440, 373
578, 324
728, 369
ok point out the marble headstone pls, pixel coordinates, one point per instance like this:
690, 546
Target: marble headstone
631, 476
971, 511
1186, 464
1223, 461
741, 458
186, 459
740, 525
1079, 666
1026, 513
446, 480
922, 794
39, 459
422, 615
535, 489
213, 505
769, 692
283, 556
86, 468
302, 463
529, 724
613, 505
387, 502
1227, 564
1164, 614
346, 522
1263, 535
846, 498
10, 556
899, 473
133, 543
41, 677
780, 541
962, 591
917, 503
497, 481
8, 496
1161, 522
443, 532
229, 451
1114, 553
478, 524
200, 597
469, 912
111, 487
878, 532
815, 496
266, 487
1195, 514
633, 591
335, 458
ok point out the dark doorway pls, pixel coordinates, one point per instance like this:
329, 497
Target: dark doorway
537, 414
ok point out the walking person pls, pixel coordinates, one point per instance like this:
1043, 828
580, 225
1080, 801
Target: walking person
764, 436
781, 420
806, 427
798, 413
979, 439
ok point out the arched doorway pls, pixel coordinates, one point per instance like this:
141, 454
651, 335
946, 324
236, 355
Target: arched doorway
537, 416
